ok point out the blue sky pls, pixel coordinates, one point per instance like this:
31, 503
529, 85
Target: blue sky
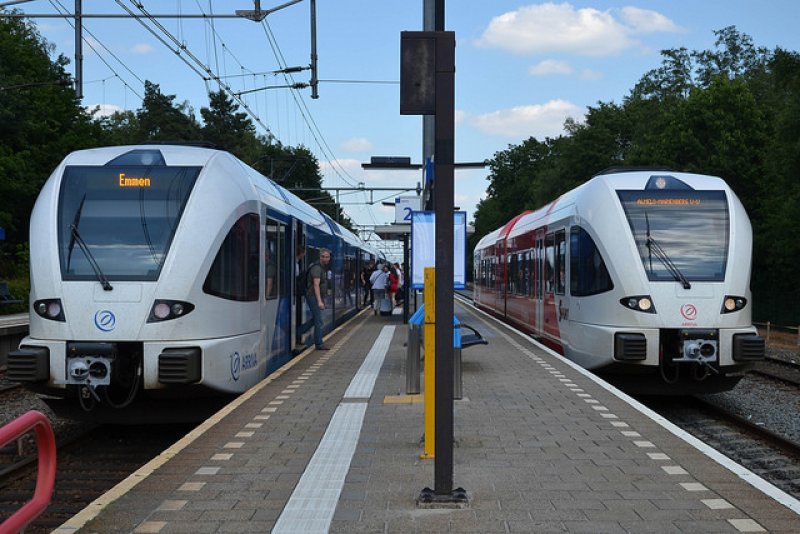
522, 68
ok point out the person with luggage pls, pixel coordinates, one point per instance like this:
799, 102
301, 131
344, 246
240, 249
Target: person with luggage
379, 279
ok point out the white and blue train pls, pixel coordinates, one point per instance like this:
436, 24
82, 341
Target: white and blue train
166, 272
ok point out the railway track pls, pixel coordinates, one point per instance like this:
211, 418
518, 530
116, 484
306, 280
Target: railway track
88, 465
766, 451
91, 459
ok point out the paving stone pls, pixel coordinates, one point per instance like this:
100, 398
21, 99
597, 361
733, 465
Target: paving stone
532, 454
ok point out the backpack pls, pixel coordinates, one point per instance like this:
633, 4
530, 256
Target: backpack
303, 282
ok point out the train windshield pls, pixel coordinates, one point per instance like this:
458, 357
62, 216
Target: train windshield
122, 219
689, 227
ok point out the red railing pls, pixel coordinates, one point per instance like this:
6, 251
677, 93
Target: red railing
45, 480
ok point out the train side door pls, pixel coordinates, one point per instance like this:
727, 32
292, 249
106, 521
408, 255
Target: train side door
299, 242
538, 282
277, 292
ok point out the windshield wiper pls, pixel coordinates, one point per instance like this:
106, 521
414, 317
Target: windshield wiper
75, 221
76, 236
654, 248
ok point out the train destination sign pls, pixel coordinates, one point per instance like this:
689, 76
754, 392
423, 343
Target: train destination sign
668, 201
131, 181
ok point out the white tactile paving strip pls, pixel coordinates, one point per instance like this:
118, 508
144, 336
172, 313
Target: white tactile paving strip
745, 524
312, 504
311, 507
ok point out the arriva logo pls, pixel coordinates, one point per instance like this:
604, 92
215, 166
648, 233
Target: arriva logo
689, 312
236, 365
105, 320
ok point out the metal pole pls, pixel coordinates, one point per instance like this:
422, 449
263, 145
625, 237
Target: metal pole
428, 121
406, 279
79, 49
314, 79
444, 160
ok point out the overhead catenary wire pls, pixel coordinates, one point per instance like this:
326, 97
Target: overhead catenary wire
58, 6
196, 65
313, 128
309, 119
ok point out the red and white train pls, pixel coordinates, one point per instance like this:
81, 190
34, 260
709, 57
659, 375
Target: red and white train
641, 276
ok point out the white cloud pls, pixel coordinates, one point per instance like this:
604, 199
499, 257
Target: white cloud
142, 49
357, 144
647, 21
102, 110
549, 27
538, 120
550, 66
589, 74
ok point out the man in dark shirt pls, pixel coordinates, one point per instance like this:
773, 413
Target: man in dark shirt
315, 294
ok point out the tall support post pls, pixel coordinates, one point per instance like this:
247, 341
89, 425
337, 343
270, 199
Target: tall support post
79, 49
444, 160
314, 78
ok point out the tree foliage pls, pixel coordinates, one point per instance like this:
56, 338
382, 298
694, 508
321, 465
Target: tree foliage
733, 112
42, 120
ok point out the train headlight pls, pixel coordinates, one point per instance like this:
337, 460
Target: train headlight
732, 304
161, 311
642, 303
50, 309
164, 310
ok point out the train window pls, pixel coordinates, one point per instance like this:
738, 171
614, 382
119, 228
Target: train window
549, 264
282, 263
528, 284
126, 215
275, 241
587, 270
561, 261
512, 274
690, 228
537, 269
234, 275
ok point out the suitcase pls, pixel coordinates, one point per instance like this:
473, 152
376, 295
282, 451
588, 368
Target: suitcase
385, 306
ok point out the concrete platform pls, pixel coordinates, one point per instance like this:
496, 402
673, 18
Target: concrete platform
323, 445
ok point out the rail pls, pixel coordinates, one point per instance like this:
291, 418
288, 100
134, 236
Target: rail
45, 480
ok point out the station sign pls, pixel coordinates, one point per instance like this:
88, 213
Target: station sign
404, 207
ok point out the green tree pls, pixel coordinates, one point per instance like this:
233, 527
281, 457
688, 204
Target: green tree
160, 119
227, 127
41, 121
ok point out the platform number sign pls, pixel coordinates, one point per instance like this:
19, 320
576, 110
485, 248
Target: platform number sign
404, 207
